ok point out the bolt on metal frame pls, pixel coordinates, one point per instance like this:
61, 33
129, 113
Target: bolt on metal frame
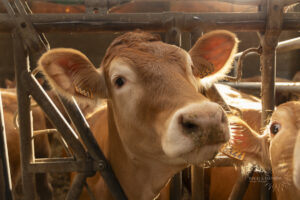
27, 85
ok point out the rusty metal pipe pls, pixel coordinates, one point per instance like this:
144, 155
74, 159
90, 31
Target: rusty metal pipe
150, 22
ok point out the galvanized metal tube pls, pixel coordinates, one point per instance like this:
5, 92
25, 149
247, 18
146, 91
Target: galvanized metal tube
25, 118
4, 157
93, 148
283, 46
279, 86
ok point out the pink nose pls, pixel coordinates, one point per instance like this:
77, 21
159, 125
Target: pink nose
206, 123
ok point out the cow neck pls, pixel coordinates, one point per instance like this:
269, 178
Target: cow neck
139, 180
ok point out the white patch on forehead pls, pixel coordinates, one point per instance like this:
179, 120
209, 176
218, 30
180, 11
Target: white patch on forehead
189, 71
119, 67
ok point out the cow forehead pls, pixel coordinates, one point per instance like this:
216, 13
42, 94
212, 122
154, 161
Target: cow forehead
290, 111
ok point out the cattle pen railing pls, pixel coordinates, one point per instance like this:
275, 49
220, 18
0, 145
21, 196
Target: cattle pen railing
26, 30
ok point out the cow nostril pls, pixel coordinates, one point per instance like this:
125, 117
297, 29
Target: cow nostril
187, 124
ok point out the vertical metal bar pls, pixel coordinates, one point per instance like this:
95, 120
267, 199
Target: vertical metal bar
241, 185
176, 187
198, 182
268, 72
4, 157
173, 36
197, 173
25, 118
269, 41
77, 186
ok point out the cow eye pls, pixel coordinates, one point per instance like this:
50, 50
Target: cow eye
275, 128
119, 82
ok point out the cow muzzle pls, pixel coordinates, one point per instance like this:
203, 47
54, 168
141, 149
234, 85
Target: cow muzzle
194, 127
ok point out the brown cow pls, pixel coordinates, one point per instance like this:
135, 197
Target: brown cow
276, 149
248, 108
155, 122
42, 148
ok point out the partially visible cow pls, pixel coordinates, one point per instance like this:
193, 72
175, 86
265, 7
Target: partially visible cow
247, 108
277, 149
155, 123
42, 148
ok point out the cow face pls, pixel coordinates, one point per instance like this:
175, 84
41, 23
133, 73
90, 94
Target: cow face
284, 148
277, 149
152, 90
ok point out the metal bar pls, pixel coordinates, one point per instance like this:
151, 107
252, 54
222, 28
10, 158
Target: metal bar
173, 36
198, 182
283, 46
221, 161
268, 41
150, 21
93, 148
176, 187
288, 45
257, 2
61, 165
54, 115
77, 186
241, 185
281, 86
25, 118
4, 157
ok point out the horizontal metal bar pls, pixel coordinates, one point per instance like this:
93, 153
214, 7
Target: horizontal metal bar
61, 165
221, 161
283, 46
280, 86
243, 2
150, 21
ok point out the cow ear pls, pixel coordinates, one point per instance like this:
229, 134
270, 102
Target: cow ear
245, 140
72, 74
212, 55
296, 162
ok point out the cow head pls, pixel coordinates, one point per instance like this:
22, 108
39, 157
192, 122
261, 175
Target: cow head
284, 147
152, 90
278, 148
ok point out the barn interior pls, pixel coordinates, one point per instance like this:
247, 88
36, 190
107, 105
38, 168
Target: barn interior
77, 24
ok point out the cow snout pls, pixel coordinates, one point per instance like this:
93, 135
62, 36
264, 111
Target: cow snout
196, 126
206, 123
